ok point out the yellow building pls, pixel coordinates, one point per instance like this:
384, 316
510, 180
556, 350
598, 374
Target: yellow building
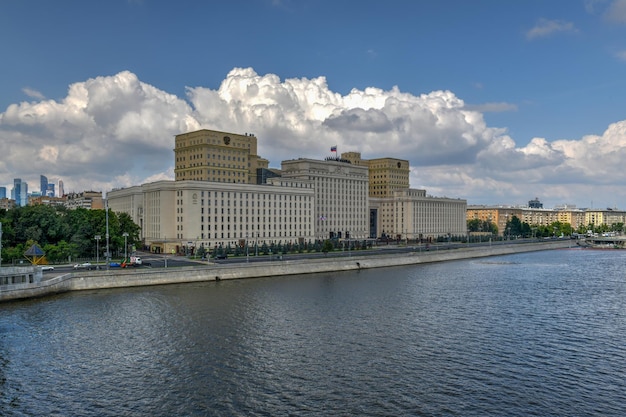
574, 217
46, 201
210, 155
608, 217
498, 215
386, 175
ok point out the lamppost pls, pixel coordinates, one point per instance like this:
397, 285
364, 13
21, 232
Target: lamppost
106, 210
247, 251
256, 245
125, 234
165, 250
97, 237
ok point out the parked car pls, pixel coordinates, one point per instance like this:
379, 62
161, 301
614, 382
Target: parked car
47, 268
84, 265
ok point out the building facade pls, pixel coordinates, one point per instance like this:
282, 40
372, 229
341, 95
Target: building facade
340, 206
7, 203
411, 214
224, 193
175, 214
46, 201
573, 216
386, 175
90, 200
19, 193
210, 155
43, 185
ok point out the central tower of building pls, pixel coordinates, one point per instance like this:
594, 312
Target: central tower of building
210, 155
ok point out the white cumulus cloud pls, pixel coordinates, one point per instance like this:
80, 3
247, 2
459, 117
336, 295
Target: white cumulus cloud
546, 27
117, 131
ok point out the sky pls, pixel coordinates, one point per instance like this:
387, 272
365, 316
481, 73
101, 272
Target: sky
495, 102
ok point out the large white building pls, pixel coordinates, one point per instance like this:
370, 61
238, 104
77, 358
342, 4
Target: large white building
176, 214
411, 214
215, 202
341, 196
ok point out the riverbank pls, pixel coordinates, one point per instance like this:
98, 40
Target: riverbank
90, 280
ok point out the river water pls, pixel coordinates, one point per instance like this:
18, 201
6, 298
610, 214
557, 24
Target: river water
536, 334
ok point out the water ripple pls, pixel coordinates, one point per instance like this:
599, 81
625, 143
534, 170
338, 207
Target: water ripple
540, 334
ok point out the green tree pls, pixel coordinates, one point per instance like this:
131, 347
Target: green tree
327, 246
63, 233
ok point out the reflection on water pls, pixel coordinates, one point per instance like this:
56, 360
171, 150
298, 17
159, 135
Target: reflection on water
531, 334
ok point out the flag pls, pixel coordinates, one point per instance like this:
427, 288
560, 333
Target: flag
333, 148
322, 217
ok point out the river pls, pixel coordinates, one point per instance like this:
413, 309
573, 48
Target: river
533, 334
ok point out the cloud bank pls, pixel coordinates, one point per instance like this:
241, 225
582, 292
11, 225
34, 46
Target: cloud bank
116, 131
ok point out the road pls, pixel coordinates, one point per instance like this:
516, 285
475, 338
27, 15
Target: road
170, 261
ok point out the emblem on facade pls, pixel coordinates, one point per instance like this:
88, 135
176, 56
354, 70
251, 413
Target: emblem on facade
226, 140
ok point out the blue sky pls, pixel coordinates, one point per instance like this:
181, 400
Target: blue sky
496, 102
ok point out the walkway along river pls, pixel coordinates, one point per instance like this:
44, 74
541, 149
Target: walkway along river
90, 280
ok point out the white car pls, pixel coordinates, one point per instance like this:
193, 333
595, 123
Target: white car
84, 265
47, 268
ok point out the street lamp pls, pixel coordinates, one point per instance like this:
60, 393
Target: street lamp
125, 245
106, 210
97, 237
247, 251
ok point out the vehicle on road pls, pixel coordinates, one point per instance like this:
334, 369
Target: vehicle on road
47, 268
84, 265
134, 261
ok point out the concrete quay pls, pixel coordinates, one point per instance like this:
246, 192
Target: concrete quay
123, 278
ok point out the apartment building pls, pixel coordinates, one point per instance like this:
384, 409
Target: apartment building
607, 216
87, 199
7, 203
500, 215
46, 201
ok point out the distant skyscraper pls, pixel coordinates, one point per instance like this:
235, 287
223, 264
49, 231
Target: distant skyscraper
19, 193
61, 190
3, 192
50, 192
43, 185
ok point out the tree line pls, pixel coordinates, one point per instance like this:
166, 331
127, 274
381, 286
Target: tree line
64, 235
516, 228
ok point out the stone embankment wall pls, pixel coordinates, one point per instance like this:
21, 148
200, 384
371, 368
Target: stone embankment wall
90, 280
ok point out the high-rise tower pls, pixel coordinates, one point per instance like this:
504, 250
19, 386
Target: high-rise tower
209, 155
43, 185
